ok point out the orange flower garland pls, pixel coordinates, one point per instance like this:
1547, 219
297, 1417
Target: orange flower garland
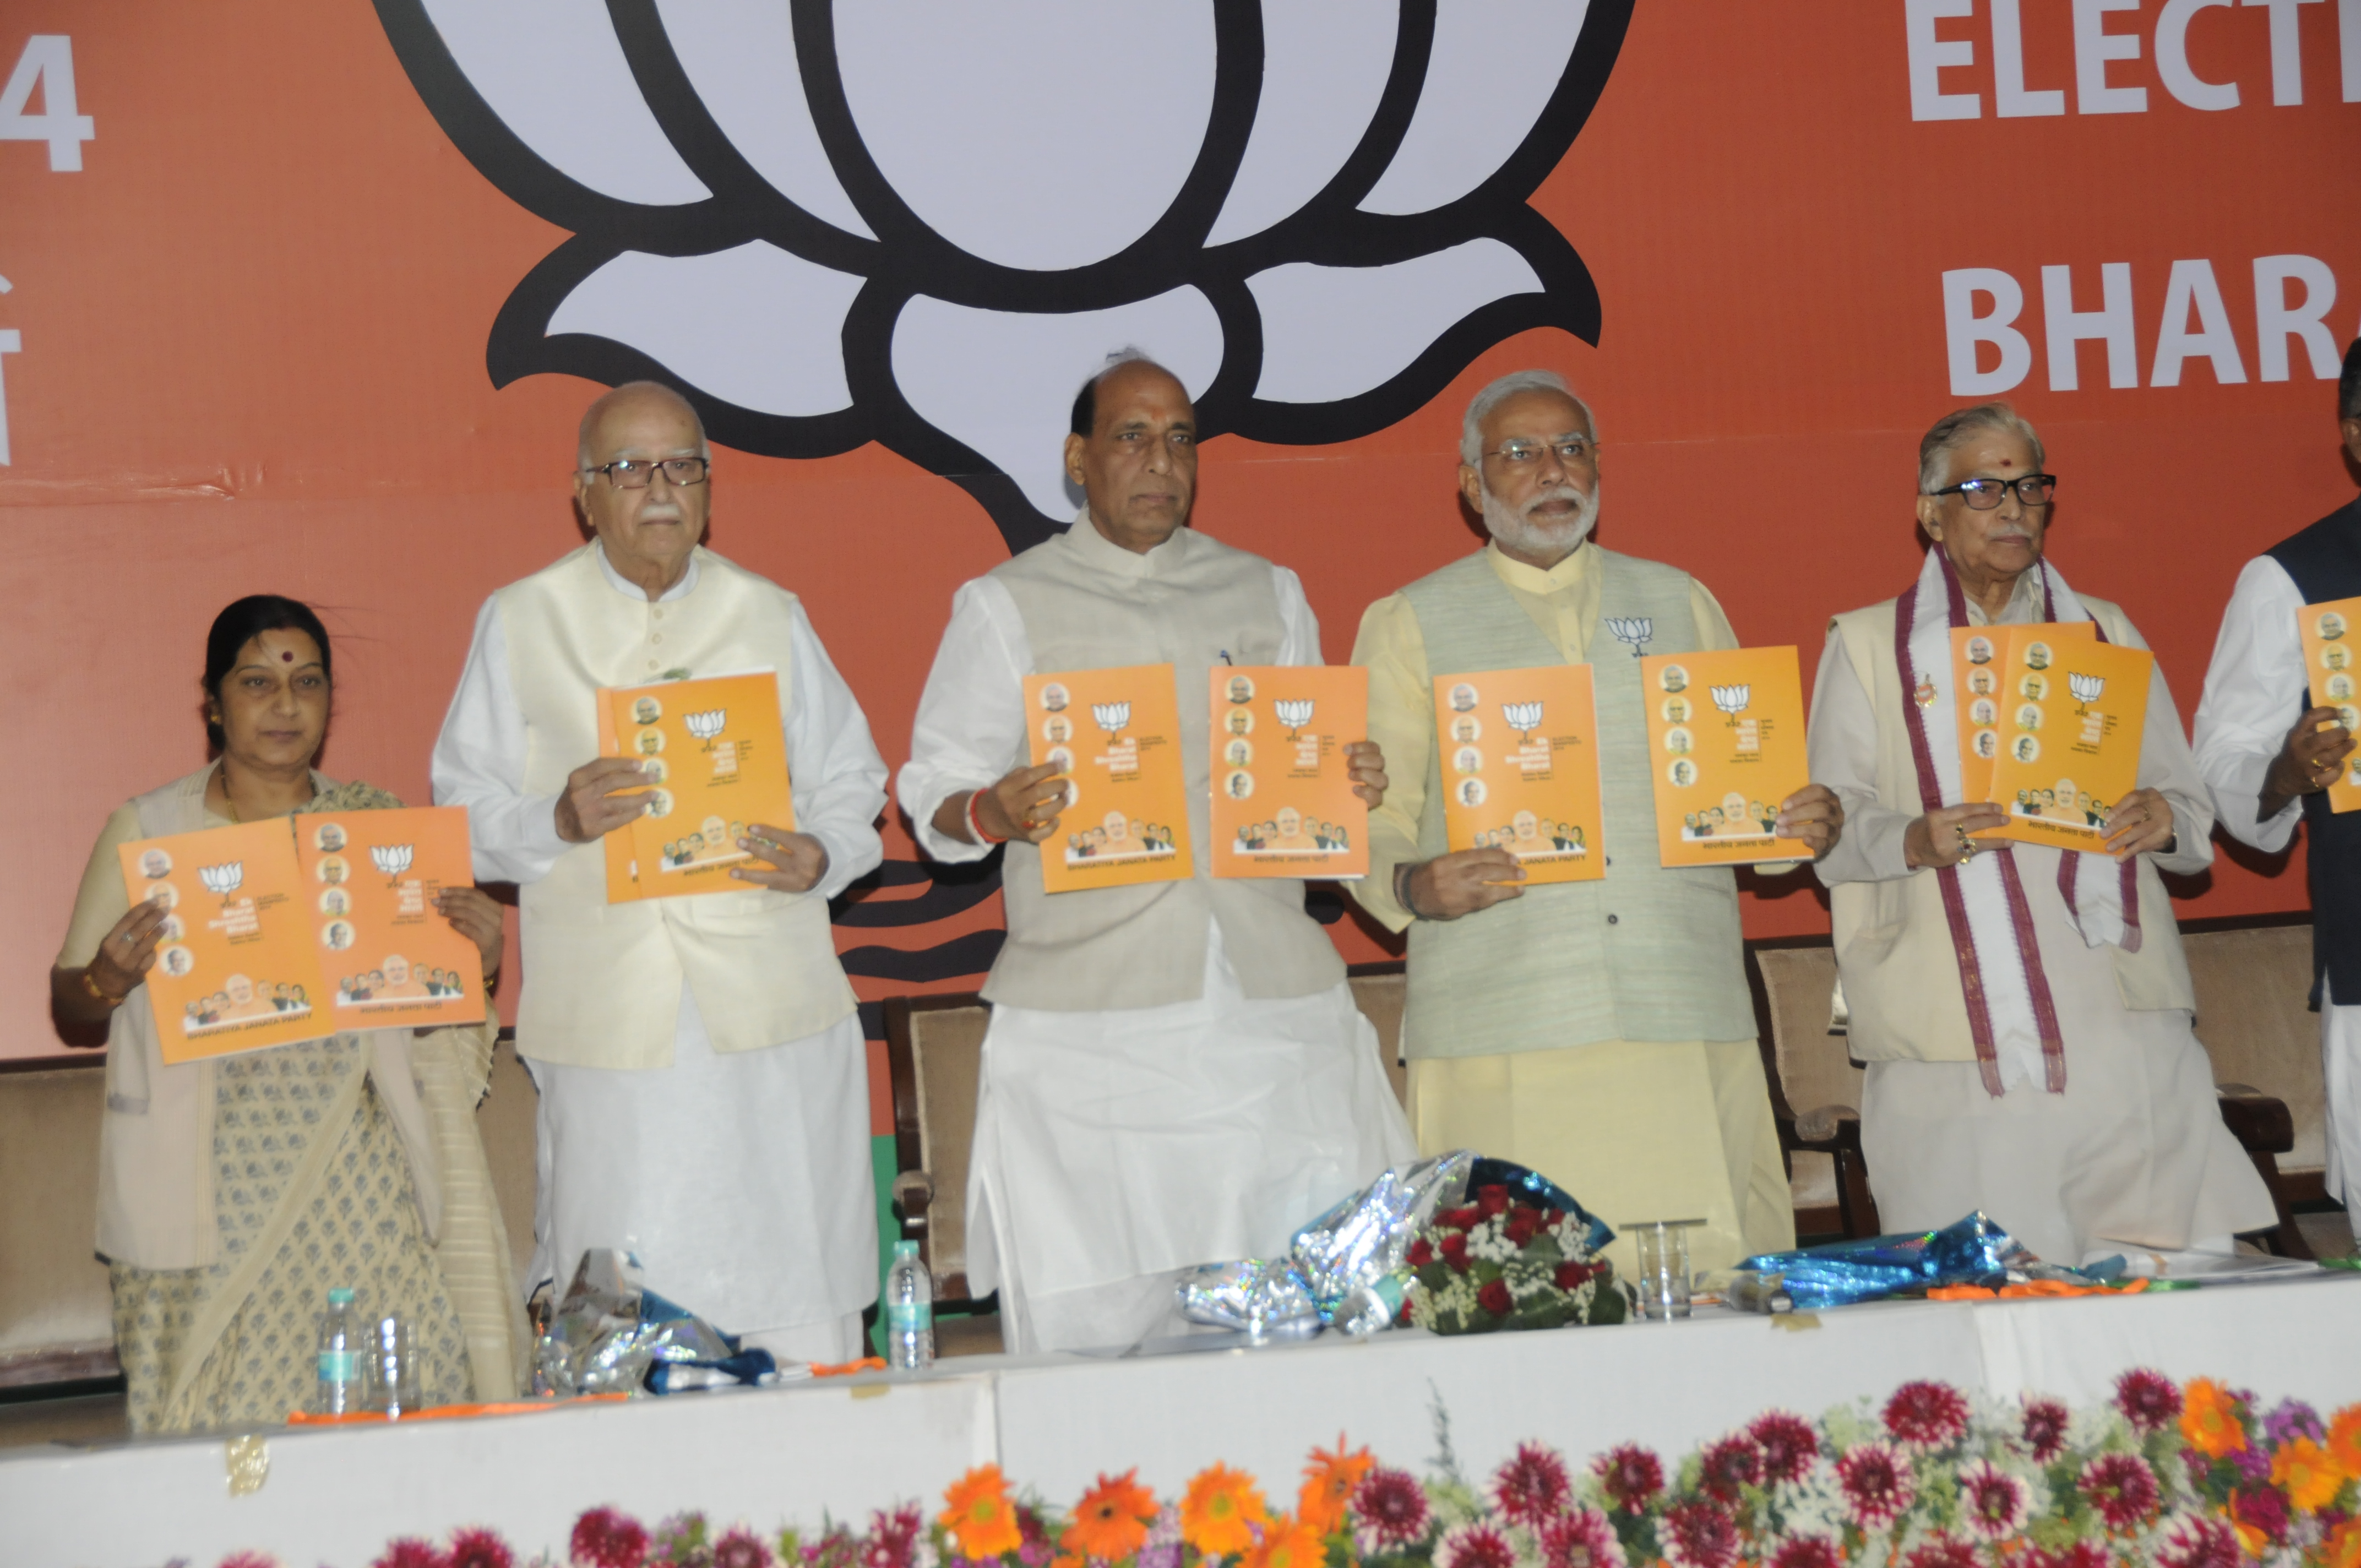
2208, 1420
977, 1512
2345, 1441
1219, 1509
1329, 1480
1289, 1543
2311, 1477
1111, 1521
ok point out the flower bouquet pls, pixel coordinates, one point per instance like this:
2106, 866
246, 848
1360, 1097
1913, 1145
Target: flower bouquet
1497, 1264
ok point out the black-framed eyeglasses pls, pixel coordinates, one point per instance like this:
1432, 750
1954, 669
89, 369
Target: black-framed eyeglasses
637, 474
1570, 450
1985, 495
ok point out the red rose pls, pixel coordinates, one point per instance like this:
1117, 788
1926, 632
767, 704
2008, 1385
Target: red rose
1491, 1200
1494, 1298
1454, 1250
1457, 1218
1421, 1252
1522, 1223
1575, 1276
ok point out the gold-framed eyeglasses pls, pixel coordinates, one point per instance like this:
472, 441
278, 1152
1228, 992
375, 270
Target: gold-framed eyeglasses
1984, 494
1570, 450
637, 474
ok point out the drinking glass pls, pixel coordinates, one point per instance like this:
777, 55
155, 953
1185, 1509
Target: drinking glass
1663, 1281
393, 1369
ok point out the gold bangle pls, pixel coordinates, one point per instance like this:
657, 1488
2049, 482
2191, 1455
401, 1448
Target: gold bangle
97, 996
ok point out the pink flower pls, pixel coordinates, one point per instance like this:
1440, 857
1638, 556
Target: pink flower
1477, 1545
480, 1549
1943, 1552
1809, 1552
2044, 1433
2199, 1543
410, 1553
1726, 1465
1788, 1445
1926, 1415
1698, 1534
1583, 1538
2263, 1509
2149, 1401
2122, 1488
250, 1560
1532, 1485
605, 1539
893, 1538
741, 1547
1877, 1485
1391, 1509
1629, 1475
2081, 1554
1993, 1500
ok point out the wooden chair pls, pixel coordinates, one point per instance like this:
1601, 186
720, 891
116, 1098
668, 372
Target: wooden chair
2251, 977
1804, 1057
934, 1054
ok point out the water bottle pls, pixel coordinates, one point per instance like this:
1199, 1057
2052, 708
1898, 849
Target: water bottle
343, 1357
909, 1311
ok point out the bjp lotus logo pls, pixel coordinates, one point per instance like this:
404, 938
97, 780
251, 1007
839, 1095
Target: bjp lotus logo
223, 880
2086, 688
705, 726
392, 860
1524, 717
841, 224
1113, 716
1732, 700
1293, 712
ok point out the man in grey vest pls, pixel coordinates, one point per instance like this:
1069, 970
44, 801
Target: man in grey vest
1599, 1032
1175, 1072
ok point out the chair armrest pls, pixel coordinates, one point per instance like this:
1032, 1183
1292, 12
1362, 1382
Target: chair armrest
1826, 1124
2260, 1124
913, 1191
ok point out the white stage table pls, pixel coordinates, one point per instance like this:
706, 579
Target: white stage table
843, 1447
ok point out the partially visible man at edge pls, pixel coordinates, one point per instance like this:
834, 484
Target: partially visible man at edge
2024, 1010
2265, 778
1598, 1032
703, 1082
1175, 1071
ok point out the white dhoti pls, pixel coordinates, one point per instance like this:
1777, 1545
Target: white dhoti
1115, 1150
742, 1181
2340, 1070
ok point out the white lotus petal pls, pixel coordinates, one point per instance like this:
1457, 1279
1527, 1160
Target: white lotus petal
1333, 333
1007, 129
554, 73
1003, 383
1323, 69
755, 326
1495, 64
741, 59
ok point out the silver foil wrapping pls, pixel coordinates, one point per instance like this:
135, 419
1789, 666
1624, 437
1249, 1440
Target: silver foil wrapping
1350, 1248
607, 1332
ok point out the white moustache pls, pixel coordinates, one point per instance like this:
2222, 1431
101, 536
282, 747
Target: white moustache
1555, 493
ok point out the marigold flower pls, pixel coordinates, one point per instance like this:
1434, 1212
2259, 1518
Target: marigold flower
979, 1515
1288, 1543
2122, 1488
1788, 1444
1531, 1486
2209, 1420
605, 1539
2147, 1400
1392, 1509
1926, 1415
2345, 1441
2304, 1471
1583, 1538
1219, 1509
1111, 1521
2344, 1545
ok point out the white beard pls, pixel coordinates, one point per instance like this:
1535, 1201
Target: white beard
1520, 531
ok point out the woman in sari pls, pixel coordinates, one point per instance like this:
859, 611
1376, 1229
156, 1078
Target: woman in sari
235, 1191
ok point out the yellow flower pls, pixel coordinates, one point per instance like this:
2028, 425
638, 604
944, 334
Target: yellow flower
1220, 1506
977, 1512
2344, 1545
2208, 1420
1289, 1543
1111, 1521
1329, 1481
2344, 1441
2308, 1474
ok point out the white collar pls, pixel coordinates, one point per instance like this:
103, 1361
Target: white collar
630, 589
1097, 548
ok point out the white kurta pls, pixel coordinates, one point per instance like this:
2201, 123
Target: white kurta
1114, 1149
2254, 688
2134, 1153
742, 1180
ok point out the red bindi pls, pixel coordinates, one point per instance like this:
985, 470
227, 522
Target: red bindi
286, 658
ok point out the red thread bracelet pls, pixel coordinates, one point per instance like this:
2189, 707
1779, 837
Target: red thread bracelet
975, 824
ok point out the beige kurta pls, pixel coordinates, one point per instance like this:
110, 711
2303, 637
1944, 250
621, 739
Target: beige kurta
1637, 1130
312, 1189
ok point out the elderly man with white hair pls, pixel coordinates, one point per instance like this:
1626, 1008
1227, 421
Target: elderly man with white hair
2025, 1011
1598, 1032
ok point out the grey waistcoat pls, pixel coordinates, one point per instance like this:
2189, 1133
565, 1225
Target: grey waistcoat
1645, 953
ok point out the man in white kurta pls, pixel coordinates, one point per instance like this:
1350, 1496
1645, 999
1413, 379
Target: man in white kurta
2025, 1011
1175, 1072
703, 1077
2269, 772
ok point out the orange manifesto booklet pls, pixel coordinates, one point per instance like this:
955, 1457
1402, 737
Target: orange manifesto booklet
2334, 669
1282, 803
1725, 746
2072, 713
369, 879
1979, 656
1520, 755
237, 967
1116, 737
718, 754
